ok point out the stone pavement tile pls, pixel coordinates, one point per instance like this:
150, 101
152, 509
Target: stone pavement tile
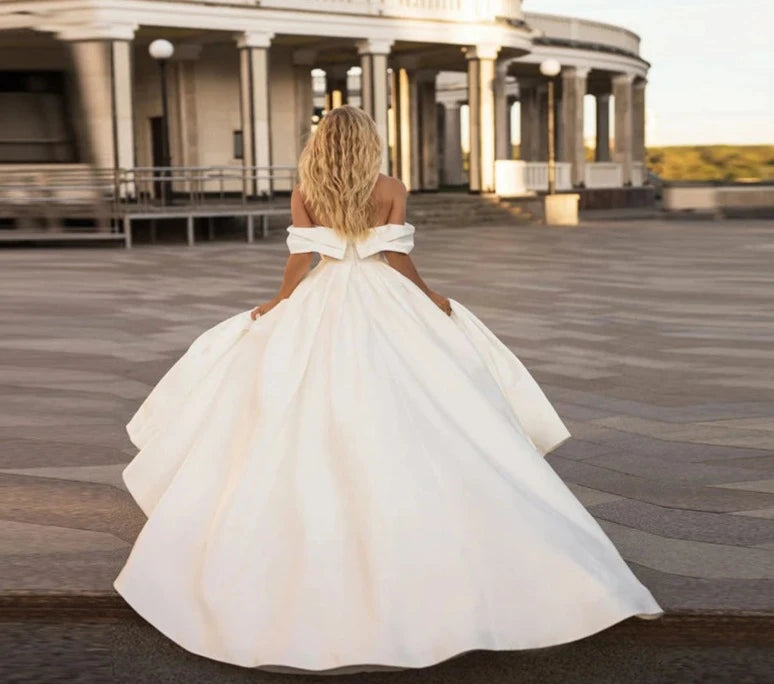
734, 352
19, 403
719, 528
591, 497
100, 474
767, 513
665, 493
62, 503
683, 414
701, 433
649, 445
74, 571
677, 592
578, 412
110, 436
17, 538
579, 450
690, 558
23, 453
763, 423
95, 347
645, 466
751, 486
763, 463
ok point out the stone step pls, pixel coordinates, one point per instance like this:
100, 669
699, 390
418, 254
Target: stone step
429, 210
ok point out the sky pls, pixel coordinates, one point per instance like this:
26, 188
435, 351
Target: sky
712, 65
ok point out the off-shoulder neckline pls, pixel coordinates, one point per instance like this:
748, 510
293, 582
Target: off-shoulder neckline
383, 225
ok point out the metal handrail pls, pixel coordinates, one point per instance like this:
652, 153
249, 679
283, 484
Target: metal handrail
114, 192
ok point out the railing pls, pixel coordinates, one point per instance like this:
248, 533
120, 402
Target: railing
585, 31
468, 10
195, 185
42, 196
604, 175
45, 196
536, 176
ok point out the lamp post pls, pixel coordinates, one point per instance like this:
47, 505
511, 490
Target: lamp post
550, 68
161, 50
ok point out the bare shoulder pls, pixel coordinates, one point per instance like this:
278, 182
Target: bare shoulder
390, 188
298, 211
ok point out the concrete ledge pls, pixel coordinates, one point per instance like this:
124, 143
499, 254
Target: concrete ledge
756, 201
617, 198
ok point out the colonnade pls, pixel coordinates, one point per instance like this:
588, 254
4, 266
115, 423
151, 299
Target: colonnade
426, 150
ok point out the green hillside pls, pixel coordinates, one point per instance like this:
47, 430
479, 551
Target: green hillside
743, 163
713, 162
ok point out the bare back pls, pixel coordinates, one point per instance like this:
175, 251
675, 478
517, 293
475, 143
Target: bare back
389, 197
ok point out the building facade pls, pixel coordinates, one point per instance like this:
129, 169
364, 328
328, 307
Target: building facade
249, 77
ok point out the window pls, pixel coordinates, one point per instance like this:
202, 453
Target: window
239, 145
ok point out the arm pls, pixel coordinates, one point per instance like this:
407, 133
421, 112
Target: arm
297, 265
402, 262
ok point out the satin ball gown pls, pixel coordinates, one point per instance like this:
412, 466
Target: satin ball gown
356, 480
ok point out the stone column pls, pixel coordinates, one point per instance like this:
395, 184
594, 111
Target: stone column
528, 98
622, 92
183, 110
481, 76
303, 62
394, 122
428, 131
638, 121
503, 148
103, 69
602, 153
558, 122
254, 96
542, 122
373, 88
452, 145
335, 86
407, 127
572, 148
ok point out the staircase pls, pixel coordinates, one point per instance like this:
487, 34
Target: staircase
444, 209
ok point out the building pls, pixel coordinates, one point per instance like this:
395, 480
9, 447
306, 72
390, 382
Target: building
78, 87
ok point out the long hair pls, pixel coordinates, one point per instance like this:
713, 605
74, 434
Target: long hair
338, 170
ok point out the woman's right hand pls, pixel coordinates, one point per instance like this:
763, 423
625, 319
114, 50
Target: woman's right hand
442, 302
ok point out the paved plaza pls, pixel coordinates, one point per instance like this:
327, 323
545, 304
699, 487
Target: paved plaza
654, 340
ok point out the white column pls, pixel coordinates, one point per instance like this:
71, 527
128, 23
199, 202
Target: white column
602, 153
542, 121
528, 147
303, 62
573, 149
638, 121
407, 128
254, 90
452, 145
481, 76
103, 67
502, 113
428, 131
183, 105
394, 122
622, 92
374, 94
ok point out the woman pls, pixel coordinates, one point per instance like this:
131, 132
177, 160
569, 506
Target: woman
352, 474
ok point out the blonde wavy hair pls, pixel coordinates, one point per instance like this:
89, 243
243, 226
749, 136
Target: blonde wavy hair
338, 170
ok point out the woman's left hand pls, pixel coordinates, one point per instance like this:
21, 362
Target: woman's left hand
265, 308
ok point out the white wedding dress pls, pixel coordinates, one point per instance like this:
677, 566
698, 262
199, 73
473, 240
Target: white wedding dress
356, 478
